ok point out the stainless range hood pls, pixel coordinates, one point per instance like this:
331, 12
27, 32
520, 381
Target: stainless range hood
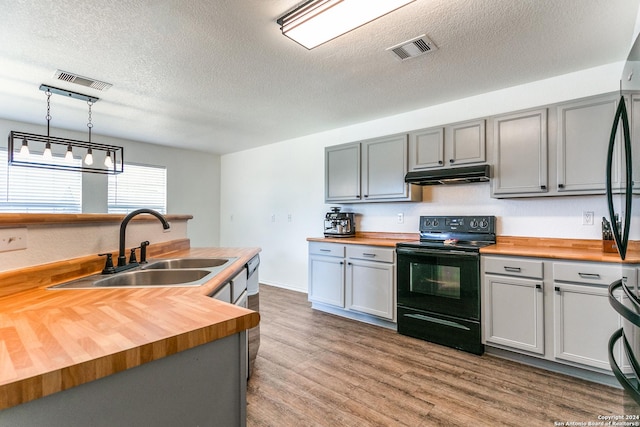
459, 175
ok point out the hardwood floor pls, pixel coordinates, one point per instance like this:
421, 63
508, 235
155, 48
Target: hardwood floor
316, 369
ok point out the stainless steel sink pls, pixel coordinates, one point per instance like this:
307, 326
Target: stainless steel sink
178, 272
156, 278
180, 263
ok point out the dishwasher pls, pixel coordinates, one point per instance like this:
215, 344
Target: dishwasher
242, 290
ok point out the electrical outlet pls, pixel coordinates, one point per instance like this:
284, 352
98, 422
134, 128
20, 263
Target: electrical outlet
587, 218
13, 239
400, 218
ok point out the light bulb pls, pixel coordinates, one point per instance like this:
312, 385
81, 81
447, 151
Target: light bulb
24, 150
89, 157
107, 160
69, 155
47, 151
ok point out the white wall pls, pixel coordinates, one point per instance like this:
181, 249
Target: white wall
261, 187
193, 179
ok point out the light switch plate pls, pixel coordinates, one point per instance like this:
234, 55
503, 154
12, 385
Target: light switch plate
13, 239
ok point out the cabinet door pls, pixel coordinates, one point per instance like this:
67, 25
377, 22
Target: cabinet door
426, 149
584, 130
583, 323
385, 164
326, 280
635, 142
465, 143
520, 153
514, 313
342, 173
371, 287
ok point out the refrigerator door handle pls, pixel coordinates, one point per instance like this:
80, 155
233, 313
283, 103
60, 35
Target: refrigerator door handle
621, 237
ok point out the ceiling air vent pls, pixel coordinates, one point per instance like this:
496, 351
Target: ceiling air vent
82, 81
412, 48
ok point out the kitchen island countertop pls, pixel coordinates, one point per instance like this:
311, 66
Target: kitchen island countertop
52, 340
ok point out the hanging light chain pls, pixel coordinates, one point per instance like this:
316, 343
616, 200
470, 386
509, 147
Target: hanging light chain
89, 124
48, 117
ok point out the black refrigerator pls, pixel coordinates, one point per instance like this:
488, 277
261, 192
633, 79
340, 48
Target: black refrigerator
623, 296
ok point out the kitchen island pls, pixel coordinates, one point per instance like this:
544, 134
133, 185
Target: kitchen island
144, 356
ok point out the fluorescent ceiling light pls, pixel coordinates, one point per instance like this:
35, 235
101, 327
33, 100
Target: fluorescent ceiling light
318, 21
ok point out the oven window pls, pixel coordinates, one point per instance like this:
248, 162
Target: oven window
436, 280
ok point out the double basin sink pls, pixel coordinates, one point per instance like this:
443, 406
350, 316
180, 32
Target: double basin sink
177, 272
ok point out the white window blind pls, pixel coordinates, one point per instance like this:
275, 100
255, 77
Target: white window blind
138, 186
25, 189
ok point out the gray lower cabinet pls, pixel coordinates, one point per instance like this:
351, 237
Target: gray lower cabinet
583, 318
514, 303
520, 154
354, 281
369, 171
326, 273
454, 145
553, 310
371, 278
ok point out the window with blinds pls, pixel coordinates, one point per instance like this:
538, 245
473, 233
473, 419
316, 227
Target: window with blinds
138, 186
25, 189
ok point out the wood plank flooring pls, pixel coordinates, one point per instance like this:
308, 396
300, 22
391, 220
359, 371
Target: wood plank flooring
316, 369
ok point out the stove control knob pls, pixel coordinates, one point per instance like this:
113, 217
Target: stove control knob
427, 222
484, 223
474, 223
435, 222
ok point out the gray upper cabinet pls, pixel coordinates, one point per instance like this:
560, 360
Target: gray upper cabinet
466, 143
426, 149
342, 173
584, 129
520, 154
368, 171
453, 145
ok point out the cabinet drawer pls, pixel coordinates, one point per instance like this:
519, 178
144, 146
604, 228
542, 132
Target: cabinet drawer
592, 273
371, 253
513, 267
329, 249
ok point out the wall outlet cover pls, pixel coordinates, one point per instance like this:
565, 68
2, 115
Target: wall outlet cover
13, 239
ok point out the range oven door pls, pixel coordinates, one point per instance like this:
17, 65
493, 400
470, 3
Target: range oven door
439, 281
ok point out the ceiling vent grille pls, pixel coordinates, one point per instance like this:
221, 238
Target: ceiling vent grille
82, 81
412, 48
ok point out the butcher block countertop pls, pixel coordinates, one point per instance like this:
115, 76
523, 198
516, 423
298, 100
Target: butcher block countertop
568, 249
52, 340
370, 239
538, 247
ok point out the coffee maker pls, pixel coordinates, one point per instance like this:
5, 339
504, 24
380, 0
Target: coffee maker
339, 224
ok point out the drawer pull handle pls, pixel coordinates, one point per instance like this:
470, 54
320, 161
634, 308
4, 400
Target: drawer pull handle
557, 288
589, 275
367, 254
512, 269
538, 286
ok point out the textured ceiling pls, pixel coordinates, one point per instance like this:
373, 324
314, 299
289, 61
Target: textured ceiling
218, 76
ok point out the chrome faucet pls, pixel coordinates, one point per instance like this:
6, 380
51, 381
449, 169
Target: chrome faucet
122, 259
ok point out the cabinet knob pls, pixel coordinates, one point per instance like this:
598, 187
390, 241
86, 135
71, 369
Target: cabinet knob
440, 162
557, 288
560, 185
543, 187
451, 160
538, 286
366, 195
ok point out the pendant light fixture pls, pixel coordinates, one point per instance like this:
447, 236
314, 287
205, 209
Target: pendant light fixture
50, 152
317, 21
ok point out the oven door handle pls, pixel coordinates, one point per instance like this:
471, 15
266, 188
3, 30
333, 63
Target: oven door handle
439, 321
437, 252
